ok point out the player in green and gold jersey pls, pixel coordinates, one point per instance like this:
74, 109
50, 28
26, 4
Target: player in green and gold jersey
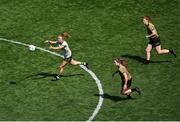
154, 40
125, 77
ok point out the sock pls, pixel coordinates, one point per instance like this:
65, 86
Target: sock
129, 96
134, 89
147, 61
59, 75
171, 51
83, 63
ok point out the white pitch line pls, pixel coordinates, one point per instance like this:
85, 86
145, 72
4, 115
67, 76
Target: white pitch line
98, 82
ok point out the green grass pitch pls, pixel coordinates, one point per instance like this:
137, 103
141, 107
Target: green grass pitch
100, 31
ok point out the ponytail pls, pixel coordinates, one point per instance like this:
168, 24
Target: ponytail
65, 35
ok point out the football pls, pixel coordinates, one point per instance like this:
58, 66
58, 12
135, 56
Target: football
32, 47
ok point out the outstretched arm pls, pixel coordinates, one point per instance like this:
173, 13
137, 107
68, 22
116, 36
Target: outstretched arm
115, 73
50, 42
56, 48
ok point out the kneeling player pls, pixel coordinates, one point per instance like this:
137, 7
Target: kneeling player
126, 78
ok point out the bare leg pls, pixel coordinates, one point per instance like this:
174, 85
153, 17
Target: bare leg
127, 92
74, 62
61, 67
61, 70
161, 51
148, 53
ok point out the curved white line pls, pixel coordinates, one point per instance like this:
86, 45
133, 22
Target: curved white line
98, 82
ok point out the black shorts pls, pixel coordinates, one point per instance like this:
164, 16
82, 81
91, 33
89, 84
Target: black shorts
129, 83
155, 41
68, 59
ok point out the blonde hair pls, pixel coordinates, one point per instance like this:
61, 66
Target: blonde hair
65, 35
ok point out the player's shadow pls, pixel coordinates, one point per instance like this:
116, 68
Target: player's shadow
142, 60
113, 98
42, 75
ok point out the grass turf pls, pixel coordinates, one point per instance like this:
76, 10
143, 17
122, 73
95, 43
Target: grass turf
101, 31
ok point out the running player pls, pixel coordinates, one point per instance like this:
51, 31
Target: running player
125, 77
154, 40
66, 52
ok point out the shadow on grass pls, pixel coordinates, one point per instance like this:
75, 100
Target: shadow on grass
114, 98
42, 75
142, 60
